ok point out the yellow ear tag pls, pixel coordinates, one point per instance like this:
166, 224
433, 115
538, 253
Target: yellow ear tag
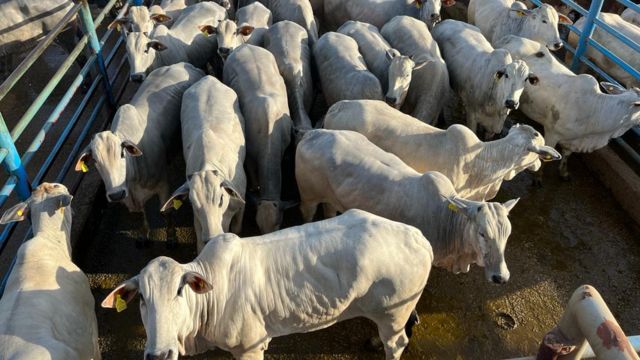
20, 212
453, 207
120, 303
84, 167
418, 4
520, 13
177, 204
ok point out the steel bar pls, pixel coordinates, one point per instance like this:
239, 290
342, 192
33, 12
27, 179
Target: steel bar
12, 162
587, 31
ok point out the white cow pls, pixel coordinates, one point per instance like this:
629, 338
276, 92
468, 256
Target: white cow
392, 69
47, 309
288, 42
298, 11
238, 293
631, 16
343, 72
253, 73
132, 157
343, 170
251, 24
488, 81
476, 169
429, 89
498, 18
24, 22
214, 152
182, 43
583, 119
616, 46
137, 19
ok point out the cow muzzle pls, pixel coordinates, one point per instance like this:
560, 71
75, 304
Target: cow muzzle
498, 279
556, 46
224, 52
139, 77
511, 104
166, 355
117, 195
391, 101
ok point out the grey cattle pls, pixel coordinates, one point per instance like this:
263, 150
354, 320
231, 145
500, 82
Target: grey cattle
429, 89
574, 112
214, 152
498, 18
131, 157
343, 170
47, 309
252, 22
253, 73
488, 81
343, 72
137, 19
631, 16
336, 12
298, 11
182, 43
476, 169
239, 293
24, 22
392, 69
288, 42
616, 46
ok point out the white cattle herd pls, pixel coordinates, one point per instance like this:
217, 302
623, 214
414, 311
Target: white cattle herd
399, 195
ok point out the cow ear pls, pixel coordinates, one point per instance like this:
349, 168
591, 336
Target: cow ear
118, 23
392, 53
208, 29
16, 213
546, 153
611, 88
122, 295
156, 45
509, 205
520, 12
417, 3
226, 184
448, 3
131, 148
83, 160
175, 201
563, 19
196, 282
160, 18
533, 79
467, 208
421, 61
245, 30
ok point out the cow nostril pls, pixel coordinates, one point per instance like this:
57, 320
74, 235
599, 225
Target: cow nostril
510, 104
390, 100
497, 279
557, 45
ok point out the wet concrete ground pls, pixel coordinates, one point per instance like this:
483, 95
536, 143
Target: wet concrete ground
564, 234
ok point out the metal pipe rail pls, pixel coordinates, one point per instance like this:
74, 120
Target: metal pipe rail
11, 160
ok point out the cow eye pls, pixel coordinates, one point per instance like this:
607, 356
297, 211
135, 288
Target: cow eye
506, 76
544, 21
180, 290
221, 199
481, 234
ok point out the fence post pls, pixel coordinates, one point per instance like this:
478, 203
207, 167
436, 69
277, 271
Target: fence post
137, 2
90, 30
587, 31
12, 162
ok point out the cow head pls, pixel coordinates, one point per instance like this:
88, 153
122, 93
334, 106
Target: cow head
487, 234
110, 153
46, 205
631, 97
167, 292
210, 194
400, 69
528, 143
269, 214
430, 10
540, 24
142, 52
229, 35
509, 83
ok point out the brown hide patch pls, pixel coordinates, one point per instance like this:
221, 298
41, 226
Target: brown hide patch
613, 336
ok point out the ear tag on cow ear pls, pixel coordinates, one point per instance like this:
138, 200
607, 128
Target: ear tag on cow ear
520, 13
453, 207
84, 167
20, 212
177, 203
418, 4
121, 305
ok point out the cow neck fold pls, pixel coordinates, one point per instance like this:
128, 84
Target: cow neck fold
53, 228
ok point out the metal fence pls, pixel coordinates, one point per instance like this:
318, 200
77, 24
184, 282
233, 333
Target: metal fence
13, 162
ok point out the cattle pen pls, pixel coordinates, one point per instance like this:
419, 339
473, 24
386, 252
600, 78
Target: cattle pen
565, 233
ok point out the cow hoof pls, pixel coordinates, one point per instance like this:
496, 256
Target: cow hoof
374, 344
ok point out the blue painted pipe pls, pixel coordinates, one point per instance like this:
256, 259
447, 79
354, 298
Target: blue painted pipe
587, 31
12, 162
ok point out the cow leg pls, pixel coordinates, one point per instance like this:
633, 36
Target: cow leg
249, 355
394, 338
329, 210
308, 210
143, 233
564, 165
163, 195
